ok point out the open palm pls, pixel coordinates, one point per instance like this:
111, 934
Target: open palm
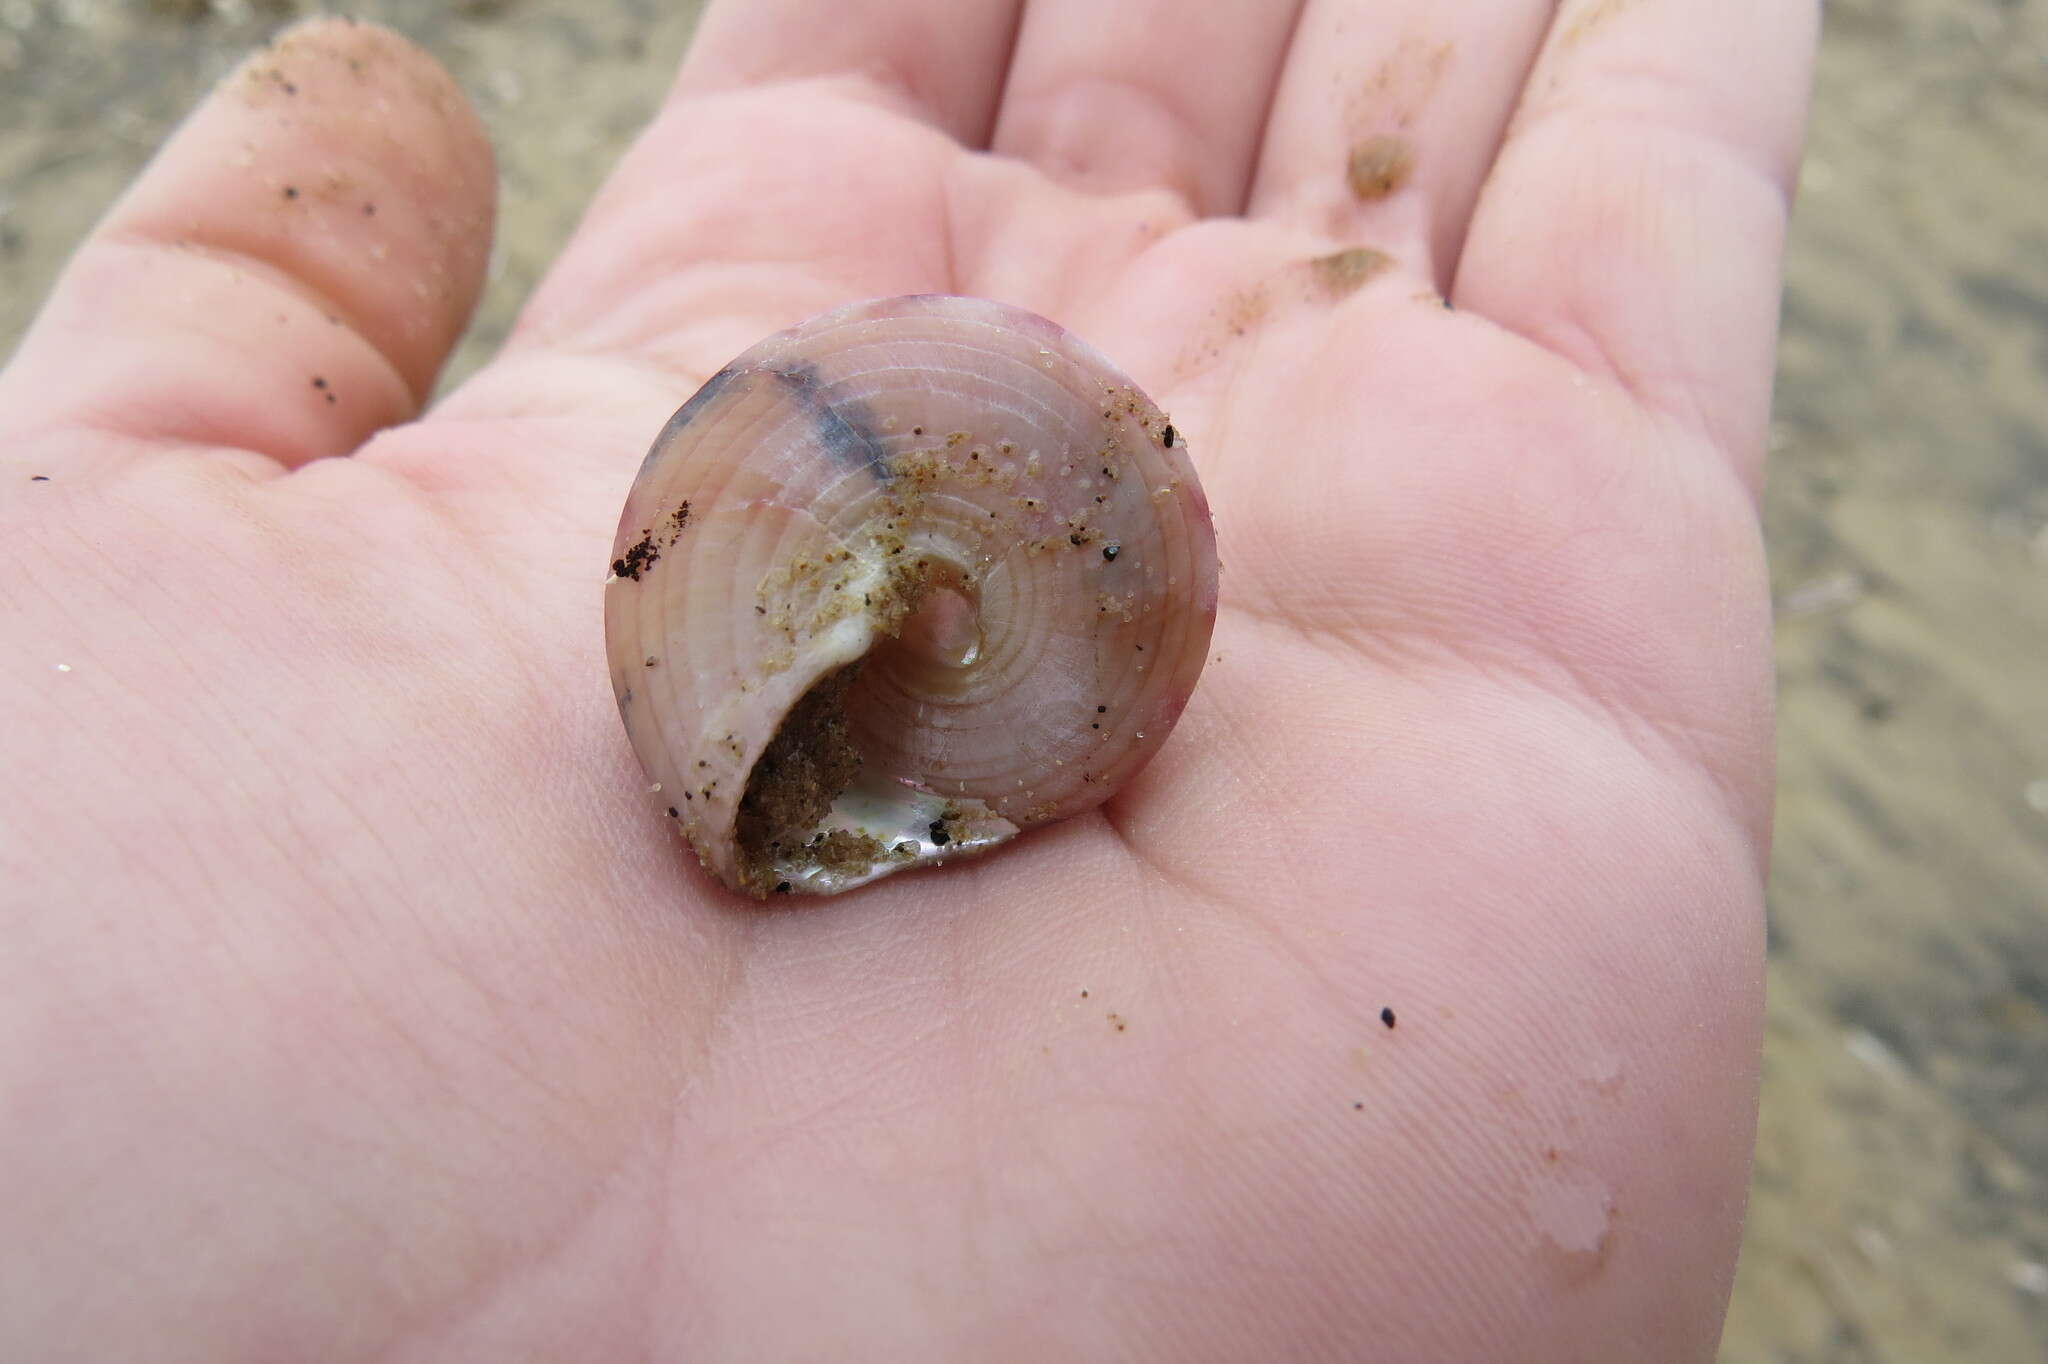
356, 1002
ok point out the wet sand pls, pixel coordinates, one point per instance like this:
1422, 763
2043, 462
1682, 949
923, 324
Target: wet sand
1900, 1209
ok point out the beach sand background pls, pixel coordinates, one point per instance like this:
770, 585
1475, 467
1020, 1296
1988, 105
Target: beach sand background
1900, 1206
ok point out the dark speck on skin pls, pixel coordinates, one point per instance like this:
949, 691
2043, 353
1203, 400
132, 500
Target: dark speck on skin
1387, 1017
39, 478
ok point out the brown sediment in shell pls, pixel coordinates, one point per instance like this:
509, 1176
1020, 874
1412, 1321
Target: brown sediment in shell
899, 583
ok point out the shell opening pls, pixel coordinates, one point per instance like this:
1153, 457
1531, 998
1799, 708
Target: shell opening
806, 766
818, 814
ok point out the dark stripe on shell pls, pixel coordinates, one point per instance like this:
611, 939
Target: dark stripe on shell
689, 411
846, 428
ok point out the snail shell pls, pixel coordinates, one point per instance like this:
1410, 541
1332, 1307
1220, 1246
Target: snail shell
899, 583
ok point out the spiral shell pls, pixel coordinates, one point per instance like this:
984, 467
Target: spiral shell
899, 583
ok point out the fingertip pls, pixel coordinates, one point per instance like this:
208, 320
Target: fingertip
1647, 179
936, 60
325, 213
352, 158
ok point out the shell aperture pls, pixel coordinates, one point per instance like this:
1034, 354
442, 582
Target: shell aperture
899, 583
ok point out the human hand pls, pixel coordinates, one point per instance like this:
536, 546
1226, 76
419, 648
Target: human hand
357, 1004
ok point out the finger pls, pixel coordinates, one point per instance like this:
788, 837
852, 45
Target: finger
290, 271
938, 60
1387, 119
1635, 219
1113, 95
693, 250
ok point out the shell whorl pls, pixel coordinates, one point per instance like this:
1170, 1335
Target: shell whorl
899, 583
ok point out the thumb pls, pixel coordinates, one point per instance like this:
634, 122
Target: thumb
289, 273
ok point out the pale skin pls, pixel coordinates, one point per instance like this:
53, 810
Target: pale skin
358, 1003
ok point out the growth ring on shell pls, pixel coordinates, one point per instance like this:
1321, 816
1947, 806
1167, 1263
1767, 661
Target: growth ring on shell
899, 583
